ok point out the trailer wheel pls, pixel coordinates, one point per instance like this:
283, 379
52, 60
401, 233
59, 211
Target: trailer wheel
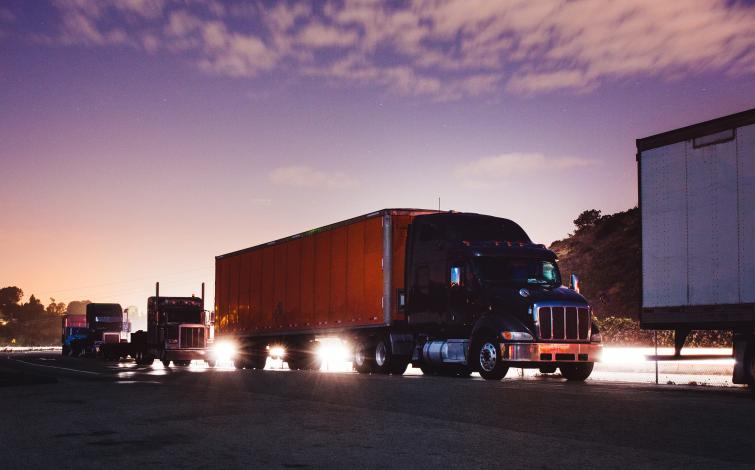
576, 372
362, 362
211, 363
257, 361
486, 354
166, 362
382, 356
239, 362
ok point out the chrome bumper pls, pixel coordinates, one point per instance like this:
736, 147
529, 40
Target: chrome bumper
551, 352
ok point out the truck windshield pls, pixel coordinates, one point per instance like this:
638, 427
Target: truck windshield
517, 271
183, 315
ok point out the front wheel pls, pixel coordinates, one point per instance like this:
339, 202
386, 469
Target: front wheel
576, 372
486, 353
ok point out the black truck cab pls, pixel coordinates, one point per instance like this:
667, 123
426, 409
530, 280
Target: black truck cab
480, 293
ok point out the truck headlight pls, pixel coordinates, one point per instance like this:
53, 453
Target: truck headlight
516, 336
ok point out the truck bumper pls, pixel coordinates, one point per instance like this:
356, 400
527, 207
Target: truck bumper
551, 352
186, 354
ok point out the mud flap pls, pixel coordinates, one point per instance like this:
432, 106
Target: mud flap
744, 362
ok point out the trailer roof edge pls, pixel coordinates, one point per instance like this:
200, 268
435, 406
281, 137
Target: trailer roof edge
393, 211
723, 123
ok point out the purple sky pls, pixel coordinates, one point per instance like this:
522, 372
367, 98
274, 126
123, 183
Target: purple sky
139, 139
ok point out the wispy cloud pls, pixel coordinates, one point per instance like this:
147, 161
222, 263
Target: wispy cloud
444, 49
301, 176
486, 172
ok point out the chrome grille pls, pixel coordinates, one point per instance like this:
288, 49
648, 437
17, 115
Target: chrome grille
111, 338
564, 323
192, 337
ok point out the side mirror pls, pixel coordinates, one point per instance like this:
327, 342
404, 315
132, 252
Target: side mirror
574, 283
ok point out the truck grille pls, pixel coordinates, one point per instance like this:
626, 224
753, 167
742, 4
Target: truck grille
192, 337
111, 338
564, 323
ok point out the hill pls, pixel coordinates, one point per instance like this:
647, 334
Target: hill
605, 253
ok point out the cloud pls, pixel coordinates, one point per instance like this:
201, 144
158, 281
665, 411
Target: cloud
485, 172
301, 176
442, 49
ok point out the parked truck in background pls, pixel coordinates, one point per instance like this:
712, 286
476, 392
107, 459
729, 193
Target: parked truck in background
179, 330
697, 204
75, 333
450, 293
102, 324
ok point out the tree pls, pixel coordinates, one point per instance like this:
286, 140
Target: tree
9, 299
56, 309
587, 218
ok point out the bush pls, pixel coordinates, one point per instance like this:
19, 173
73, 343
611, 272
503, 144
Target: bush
626, 332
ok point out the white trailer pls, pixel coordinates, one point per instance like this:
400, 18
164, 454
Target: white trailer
697, 202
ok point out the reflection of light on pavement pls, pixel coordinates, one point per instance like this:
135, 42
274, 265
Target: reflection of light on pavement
621, 355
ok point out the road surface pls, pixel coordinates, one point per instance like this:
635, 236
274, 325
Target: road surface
67, 412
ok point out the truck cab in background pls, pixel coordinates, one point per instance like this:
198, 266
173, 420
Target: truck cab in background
178, 331
75, 334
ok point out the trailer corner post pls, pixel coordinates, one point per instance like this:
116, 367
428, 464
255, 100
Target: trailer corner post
387, 267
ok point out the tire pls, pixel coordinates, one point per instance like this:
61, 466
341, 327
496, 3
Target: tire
486, 354
382, 356
257, 361
576, 372
239, 362
427, 369
362, 362
166, 362
295, 360
211, 363
66, 350
183, 363
398, 366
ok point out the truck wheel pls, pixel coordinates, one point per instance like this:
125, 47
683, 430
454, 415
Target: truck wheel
487, 356
66, 350
239, 362
183, 363
427, 369
398, 366
576, 372
166, 362
295, 360
382, 356
257, 361
211, 363
362, 362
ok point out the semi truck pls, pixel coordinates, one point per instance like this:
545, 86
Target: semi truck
697, 205
179, 330
75, 333
84, 335
450, 293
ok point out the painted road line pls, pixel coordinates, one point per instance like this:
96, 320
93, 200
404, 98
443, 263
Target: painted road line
57, 367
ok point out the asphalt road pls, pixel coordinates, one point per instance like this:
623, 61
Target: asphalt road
84, 413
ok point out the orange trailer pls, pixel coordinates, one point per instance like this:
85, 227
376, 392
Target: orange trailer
341, 276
